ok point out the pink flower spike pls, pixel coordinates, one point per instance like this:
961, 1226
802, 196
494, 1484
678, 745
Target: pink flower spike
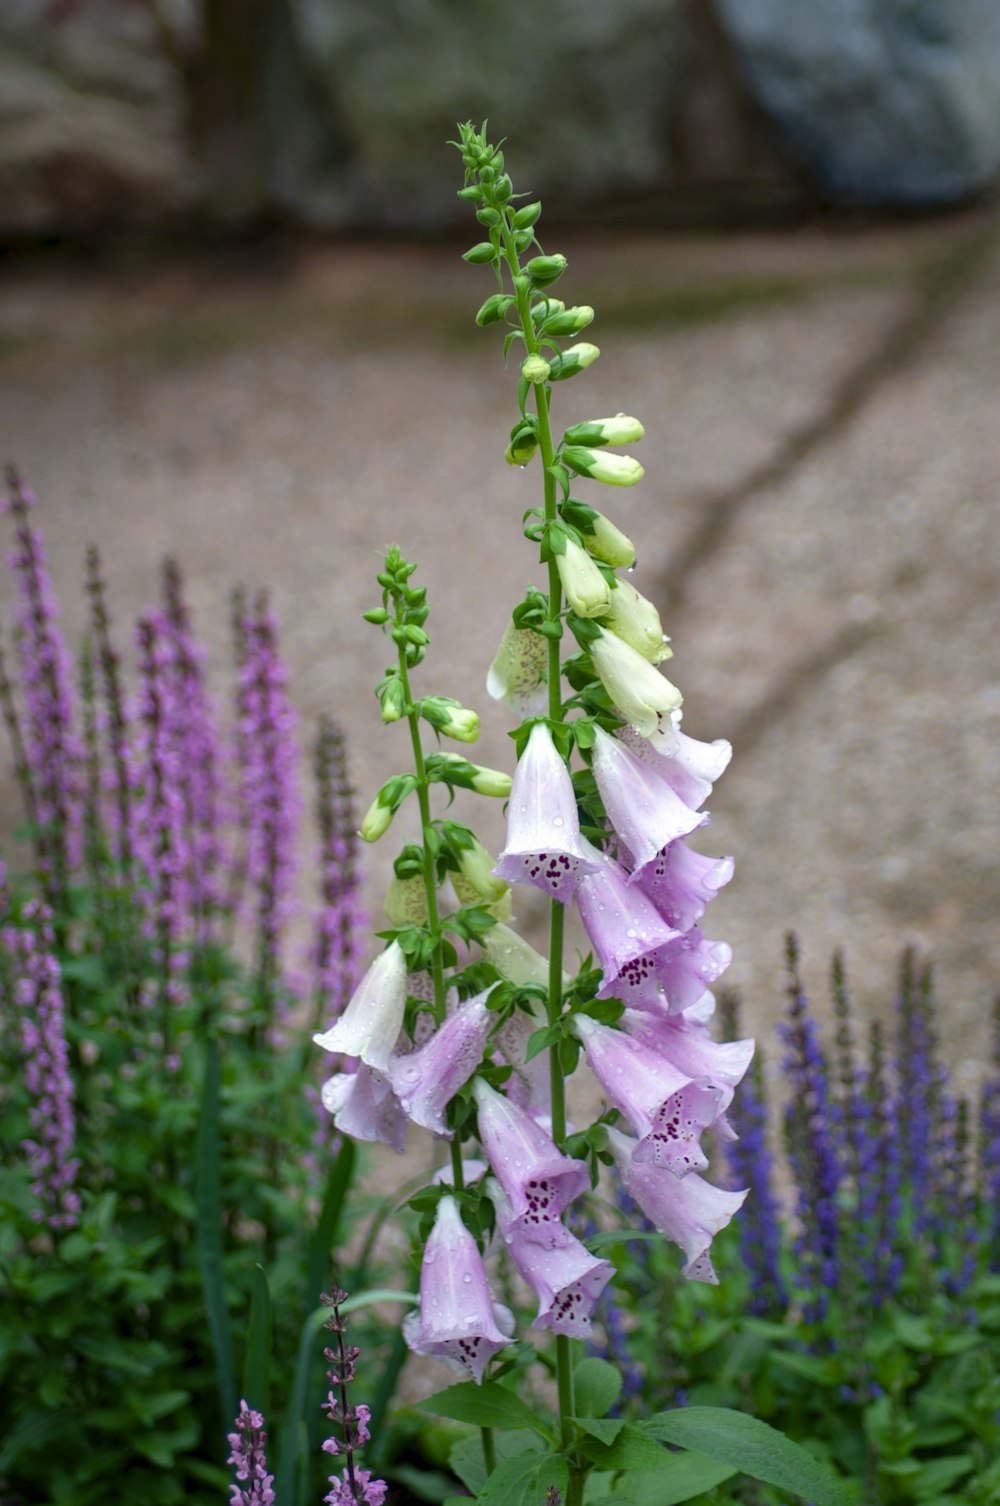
688, 1210
641, 804
631, 939
543, 846
427, 1079
457, 1321
370, 1025
364, 1106
538, 1179
681, 883
667, 1109
566, 1280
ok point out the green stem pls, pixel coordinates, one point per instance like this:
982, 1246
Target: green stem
430, 880
489, 1449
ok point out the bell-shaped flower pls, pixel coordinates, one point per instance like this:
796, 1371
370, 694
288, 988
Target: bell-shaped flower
637, 622
607, 543
667, 1109
690, 767
688, 970
544, 846
457, 1321
405, 901
537, 1178
681, 883
586, 590
518, 672
426, 1080
566, 1279
476, 884
364, 1106
688, 1047
631, 939
643, 696
688, 1210
643, 808
370, 1024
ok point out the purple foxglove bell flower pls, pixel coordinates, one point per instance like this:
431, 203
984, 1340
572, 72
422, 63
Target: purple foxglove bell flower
364, 1106
667, 1109
689, 968
689, 1049
567, 1280
427, 1079
457, 1321
681, 883
630, 937
642, 806
688, 1210
537, 1178
689, 766
544, 846
370, 1025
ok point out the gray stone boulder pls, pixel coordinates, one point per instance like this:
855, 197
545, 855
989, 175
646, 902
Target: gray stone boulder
882, 102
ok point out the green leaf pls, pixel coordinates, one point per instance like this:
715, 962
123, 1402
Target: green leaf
753, 1447
525, 1480
466, 1457
33, 1430
632, 1449
597, 1386
208, 1231
604, 1429
938, 1475
911, 1330
813, 1367
485, 1406
324, 1239
680, 1478
257, 1360
607, 1238
295, 1434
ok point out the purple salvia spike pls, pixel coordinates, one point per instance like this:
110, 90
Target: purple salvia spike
881, 1195
37, 991
115, 717
457, 1321
666, 1109
427, 1079
355, 1486
811, 1148
688, 1210
341, 921
159, 836
22, 766
918, 1097
543, 844
270, 792
193, 714
538, 1179
53, 749
248, 1458
566, 1279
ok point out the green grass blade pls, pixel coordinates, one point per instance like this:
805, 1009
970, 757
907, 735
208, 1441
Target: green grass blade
257, 1360
208, 1232
325, 1237
296, 1421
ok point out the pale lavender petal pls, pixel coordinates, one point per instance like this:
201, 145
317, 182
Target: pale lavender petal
629, 936
643, 808
457, 1322
681, 883
566, 1279
666, 1108
691, 1050
690, 766
688, 1210
543, 845
364, 1106
370, 1025
537, 1178
689, 968
427, 1079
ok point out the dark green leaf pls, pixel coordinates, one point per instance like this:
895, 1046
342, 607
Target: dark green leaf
632, 1449
485, 1406
681, 1477
525, 1480
324, 1239
257, 1359
466, 1458
597, 1386
604, 1429
208, 1231
753, 1447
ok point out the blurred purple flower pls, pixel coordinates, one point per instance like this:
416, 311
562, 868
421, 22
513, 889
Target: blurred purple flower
248, 1458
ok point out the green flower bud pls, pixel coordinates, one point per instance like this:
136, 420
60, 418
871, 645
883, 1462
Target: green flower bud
377, 615
393, 700
637, 623
546, 308
570, 321
545, 270
476, 876
522, 447
535, 369
480, 254
406, 902
473, 776
502, 908
517, 674
613, 470
376, 822
608, 544
493, 309
450, 718
601, 431
587, 592
514, 959
576, 358
527, 216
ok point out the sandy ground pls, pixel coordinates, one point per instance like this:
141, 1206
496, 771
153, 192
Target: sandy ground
817, 523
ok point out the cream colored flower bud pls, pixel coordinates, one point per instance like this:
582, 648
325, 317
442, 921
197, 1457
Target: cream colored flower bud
608, 544
601, 431
406, 902
602, 465
376, 822
587, 592
637, 622
535, 369
643, 696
